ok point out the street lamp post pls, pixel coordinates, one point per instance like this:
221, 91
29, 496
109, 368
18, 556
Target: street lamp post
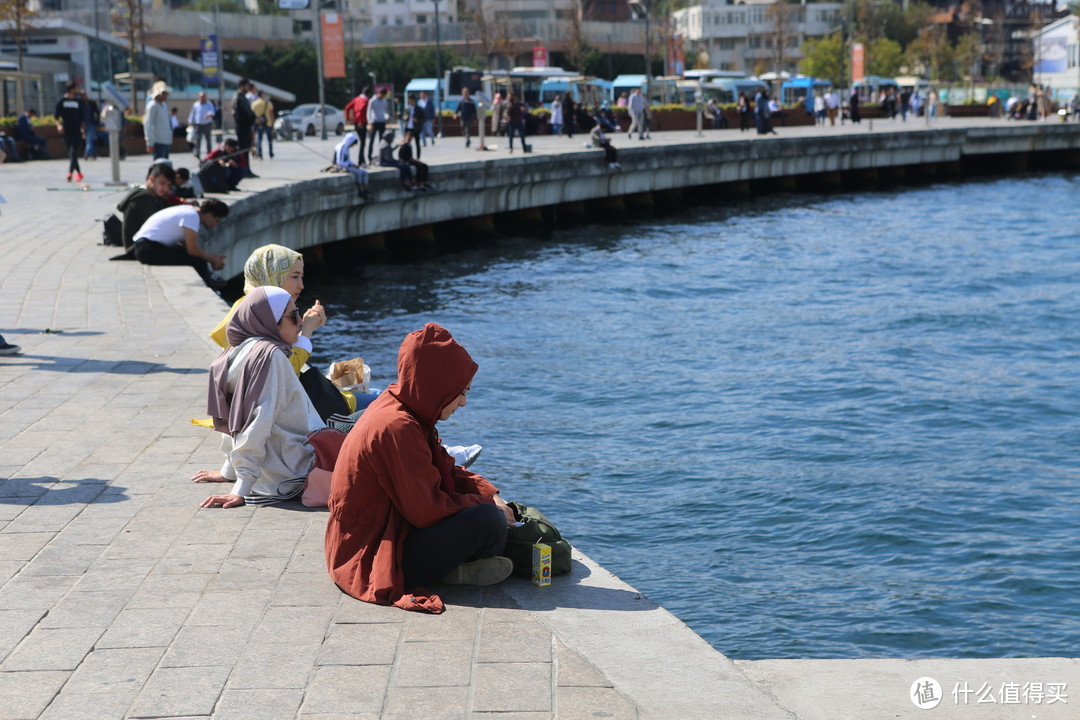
438, 72
317, 7
641, 8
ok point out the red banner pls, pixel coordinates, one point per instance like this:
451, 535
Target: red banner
333, 46
858, 62
540, 56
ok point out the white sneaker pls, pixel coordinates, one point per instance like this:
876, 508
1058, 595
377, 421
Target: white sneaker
485, 571
9, 349
464, 455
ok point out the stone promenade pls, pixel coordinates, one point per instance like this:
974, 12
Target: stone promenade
120, 598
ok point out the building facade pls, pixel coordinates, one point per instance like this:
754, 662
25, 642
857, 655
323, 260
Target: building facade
753, 37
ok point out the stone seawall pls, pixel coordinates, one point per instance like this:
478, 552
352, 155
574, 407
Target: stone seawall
326, 209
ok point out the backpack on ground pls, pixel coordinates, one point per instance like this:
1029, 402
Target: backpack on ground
113, 233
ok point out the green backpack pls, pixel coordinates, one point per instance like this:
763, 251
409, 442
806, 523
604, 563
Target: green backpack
536, 528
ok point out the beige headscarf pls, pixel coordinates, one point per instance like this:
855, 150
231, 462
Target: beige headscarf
269, 265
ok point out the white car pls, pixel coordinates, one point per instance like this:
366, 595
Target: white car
307, 119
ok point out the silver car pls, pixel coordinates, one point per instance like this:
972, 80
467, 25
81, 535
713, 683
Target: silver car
306, 119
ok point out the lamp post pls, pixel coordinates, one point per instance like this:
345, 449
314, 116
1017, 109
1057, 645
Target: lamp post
641, 8
317, 8
438, 72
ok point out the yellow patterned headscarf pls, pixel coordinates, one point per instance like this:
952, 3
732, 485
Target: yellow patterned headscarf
269, 265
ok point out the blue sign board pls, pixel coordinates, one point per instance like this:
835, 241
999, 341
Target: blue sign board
211, 60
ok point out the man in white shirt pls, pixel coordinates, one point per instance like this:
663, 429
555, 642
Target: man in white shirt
832, 105
171, 237
378, 110
156, 124
202, 117
637, 114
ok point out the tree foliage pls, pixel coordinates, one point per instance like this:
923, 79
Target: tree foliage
826, 58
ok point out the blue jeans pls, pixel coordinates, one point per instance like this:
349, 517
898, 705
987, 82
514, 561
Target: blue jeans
427, 132
161, 151
260, 132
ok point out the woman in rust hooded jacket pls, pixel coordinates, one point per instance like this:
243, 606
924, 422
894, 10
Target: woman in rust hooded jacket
401, 513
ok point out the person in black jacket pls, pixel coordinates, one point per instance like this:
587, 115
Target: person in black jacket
243, 116
70, 114
568, 115
420, 169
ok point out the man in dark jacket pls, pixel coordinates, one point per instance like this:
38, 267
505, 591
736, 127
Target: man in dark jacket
142, 202
243, 116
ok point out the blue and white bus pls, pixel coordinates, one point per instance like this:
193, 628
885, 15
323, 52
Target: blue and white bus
801, 89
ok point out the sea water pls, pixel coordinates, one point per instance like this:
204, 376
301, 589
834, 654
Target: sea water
809, 426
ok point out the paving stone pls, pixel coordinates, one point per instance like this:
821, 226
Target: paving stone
207, 645
217, 608
458, 623
113, 670
366, 644
143, 627
430, 703
347, 689
313, 588
512, 687
52, 649
574, 671
9, 568
89, 530
258, 704
352, 610
502, 643
274, 665
85, 609
27, 694
23, 546
434, 664
32, 592
14, 626
296, 624
98, 706
182, 559
63, 560
587, 703
172, 692
44, 518
118, 574
240, 573
169, 591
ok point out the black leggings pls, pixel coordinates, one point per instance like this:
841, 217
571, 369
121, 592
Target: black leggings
74, 146
431, 552
149, 252
421, 170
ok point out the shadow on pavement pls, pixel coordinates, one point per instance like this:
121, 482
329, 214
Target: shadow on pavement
42, 491
83, 365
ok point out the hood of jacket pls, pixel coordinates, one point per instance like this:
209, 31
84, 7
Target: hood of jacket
432, 371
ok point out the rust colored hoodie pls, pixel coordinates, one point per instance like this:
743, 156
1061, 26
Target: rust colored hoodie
393, 475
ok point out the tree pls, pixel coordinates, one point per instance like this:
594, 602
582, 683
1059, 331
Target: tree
930, 54
886, 56
782, 16
578, 48
826, 58
127, 17
968, 54
19, 18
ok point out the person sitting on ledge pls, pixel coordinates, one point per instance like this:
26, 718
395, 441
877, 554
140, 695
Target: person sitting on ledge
402, 515
405, 155
343, 160
142, 202
601, 140
387, 159
259, 406
171, 237
232, 163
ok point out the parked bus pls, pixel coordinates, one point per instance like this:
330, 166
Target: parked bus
664, 89
870, 88
458, 79
524, 82
428, 85
801, 89
591, 91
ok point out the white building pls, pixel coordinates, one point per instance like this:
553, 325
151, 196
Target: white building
753, 36
411, 12
1056, 51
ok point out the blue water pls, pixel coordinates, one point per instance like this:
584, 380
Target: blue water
813, 427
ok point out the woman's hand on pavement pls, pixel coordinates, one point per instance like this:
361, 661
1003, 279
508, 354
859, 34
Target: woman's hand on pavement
225, 501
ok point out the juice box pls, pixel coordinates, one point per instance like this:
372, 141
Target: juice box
541, 565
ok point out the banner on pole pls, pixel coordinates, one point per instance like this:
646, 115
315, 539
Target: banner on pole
540, 56
333, 46
211, 60
858, 62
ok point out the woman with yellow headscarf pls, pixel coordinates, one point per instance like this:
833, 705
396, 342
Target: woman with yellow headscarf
279, 266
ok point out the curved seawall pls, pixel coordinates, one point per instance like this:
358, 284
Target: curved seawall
565, 182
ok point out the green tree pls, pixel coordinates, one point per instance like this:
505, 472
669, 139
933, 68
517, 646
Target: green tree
886, 56
826, 58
